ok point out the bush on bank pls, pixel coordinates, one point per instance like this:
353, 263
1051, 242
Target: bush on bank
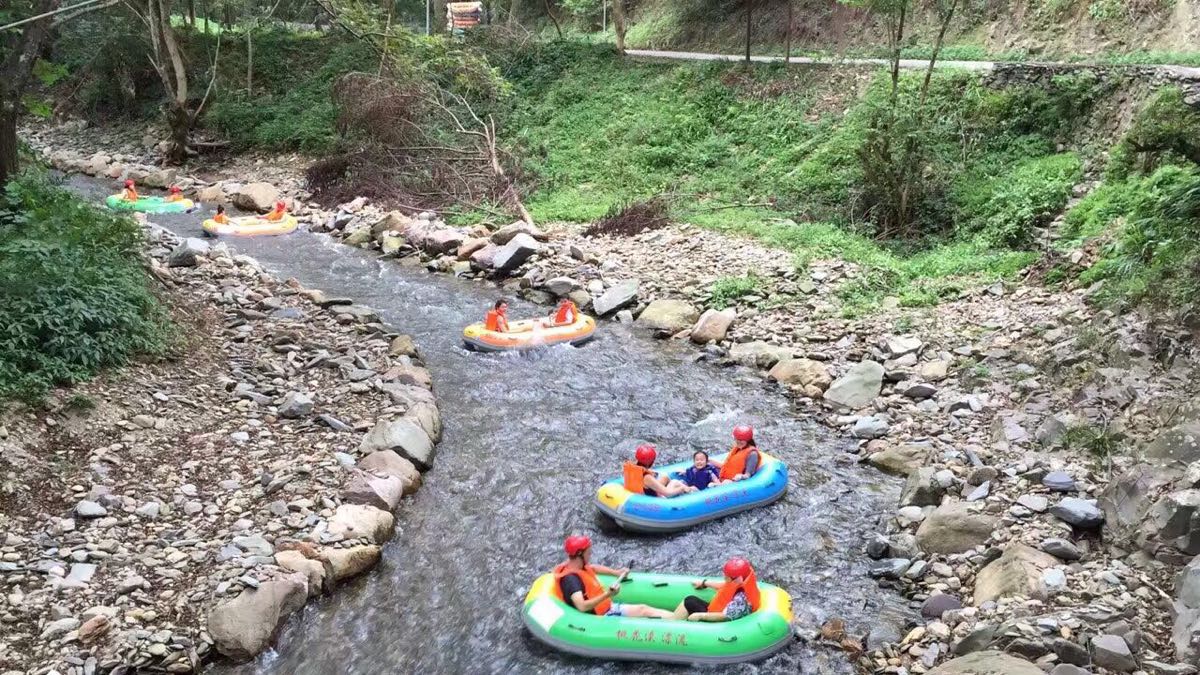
74, 294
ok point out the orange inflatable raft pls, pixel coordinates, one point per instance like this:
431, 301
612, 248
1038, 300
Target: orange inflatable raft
528, 334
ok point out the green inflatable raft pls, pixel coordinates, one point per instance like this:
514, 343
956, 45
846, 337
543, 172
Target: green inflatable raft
749, 638
150, 205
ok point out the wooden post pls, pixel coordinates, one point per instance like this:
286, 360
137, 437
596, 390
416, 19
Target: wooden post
787, 55
748, 16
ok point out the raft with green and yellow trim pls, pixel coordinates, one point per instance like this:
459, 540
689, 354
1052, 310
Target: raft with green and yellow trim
529, 334
250, 226
149, 204
750, 638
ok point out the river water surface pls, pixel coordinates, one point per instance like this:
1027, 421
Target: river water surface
528, 439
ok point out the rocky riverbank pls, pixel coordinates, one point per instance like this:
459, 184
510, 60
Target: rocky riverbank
1049, 447
181, 509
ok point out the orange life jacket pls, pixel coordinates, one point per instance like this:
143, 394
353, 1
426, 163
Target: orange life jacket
730, 589
735, 463
129, 195
275, 215
174, 197
221, 218
635, 477
567, 313
592, 587
495, 321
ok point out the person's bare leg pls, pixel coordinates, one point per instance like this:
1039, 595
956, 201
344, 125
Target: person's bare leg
647, 612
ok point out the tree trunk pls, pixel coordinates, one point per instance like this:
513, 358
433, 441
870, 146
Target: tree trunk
787, 50
192, 13
618, 11
168, 62
550, 13
15, 72
749, 16
513, 8
249, 62
439, 17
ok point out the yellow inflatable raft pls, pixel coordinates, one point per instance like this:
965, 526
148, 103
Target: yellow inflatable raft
528, 334
249, 226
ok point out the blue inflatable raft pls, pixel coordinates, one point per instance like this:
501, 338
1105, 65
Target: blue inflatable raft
640, 513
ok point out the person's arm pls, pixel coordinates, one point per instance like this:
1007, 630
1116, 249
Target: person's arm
601, 569
751, 465
655, 486
708, 616
586, 606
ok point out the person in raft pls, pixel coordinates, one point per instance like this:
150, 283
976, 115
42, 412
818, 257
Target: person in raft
497, 317
743, 458
641, 479
276, 213
736, 597
702, 473
565, 314
129, 194
174, 194
221, 217
577, 585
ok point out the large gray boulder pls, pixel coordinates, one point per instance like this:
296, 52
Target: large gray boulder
759, 354
1127, 500
668, 315
442, 241
902, 459
1112, 652
259, 197
922, 489
1082, 513
987, 663
345, 563
243, 627
514, 254
427, 416
713, 325
955, 527
858, 387
618, 296
382, 491
187, 252
403, 437
1179, 445
389, 463
509, 232
812, 376
1175, 520
1018, 571
361, 521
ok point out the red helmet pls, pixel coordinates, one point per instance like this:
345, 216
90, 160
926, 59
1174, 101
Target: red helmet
280, 205
737, 568
128, 182
645, 454
743, 432
576, 544
175, 189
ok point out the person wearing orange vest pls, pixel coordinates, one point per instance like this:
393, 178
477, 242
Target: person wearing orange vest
276, 213
640, 479
743, 458
736, 597
497, 317
565, 314
128, 193
221, 217
576, 583
174, 194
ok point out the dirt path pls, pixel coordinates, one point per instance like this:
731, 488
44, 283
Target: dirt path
1162, 70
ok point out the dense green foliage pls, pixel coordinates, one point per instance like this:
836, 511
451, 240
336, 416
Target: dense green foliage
74, 297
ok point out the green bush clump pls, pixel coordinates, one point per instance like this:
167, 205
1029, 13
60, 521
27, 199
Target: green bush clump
727, 289
1027, 196
74, 296
1166, 131
1155, 255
